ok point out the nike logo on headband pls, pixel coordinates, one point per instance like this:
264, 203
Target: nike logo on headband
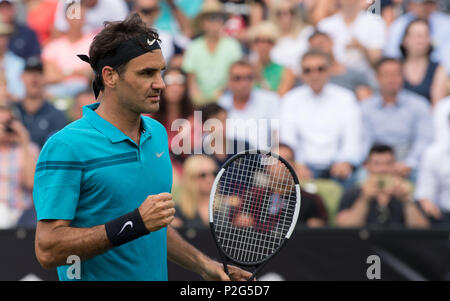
151, 43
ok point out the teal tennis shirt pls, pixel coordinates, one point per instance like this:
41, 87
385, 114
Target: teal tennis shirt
91, 173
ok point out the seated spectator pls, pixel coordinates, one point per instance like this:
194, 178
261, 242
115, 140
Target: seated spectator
12, 65
340, 74
193, 205
23, 41
252, 112
175, 104
383, 200
398, 118
294, 32
419, 9
216, 143
422, 75
98, 11
270, 75
313, 213
148, 10
41, 17
176, 17
433, 183
208, 58
322, 123
358, 36
65, 74
440, 121
82, 99
39, 116
17, 164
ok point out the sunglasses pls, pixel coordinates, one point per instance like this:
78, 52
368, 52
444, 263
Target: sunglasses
320, 69
289, 12
174, 79
238, 78
149, 11
264, 40
215, 17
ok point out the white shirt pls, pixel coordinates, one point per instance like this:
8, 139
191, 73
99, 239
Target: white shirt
104, 10
441, 121
322, 128
257, 123
368, 29
288, 51
433, 181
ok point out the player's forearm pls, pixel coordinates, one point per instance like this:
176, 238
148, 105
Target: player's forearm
184, 254
55, 246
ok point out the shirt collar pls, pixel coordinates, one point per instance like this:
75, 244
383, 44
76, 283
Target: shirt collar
109, 130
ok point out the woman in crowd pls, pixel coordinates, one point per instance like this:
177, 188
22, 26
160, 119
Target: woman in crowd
270, 75
422, 75
294, 34
176, 104
193, 205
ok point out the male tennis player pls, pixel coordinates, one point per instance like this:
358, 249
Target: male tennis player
102, 183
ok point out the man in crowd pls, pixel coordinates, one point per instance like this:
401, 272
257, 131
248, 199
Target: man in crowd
322, 123
383, 199
397, 118
340, 74
40, 117
17, 164
252, 112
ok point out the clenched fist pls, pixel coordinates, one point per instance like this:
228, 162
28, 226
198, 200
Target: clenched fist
157, 211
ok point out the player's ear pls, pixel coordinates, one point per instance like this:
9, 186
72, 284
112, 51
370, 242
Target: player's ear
110, 77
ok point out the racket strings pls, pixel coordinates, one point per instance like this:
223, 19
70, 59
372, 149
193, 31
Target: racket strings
254, 206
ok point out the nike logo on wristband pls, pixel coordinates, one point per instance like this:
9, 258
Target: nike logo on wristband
129, 223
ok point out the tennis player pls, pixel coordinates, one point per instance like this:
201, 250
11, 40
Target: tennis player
102, 183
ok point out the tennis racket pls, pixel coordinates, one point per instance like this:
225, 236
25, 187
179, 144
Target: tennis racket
253, 209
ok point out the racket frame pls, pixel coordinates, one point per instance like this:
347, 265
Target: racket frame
260, 263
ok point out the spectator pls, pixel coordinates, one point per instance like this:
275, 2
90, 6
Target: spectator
40, 18
97, 12
82, 99
208, 58
440, 122
148, 10
12, 65
383, 200
252, 112
358, 37
17, 163
64, 73
270, 75
23, 41
398, 118
433, 183
313, 213
422, 9
322, 123
422, 75
217, 144
320, 9
293, 39
198, 178
39, 116
340, 75
175, 105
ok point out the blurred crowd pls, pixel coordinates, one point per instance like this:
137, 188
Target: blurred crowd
358, 90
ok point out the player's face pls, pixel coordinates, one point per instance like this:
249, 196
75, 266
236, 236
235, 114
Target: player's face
139, 87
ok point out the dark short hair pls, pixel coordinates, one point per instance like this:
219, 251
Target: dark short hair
384, 60
316, 53
318, 33
209, 110
112, 35
242, 62
380, 149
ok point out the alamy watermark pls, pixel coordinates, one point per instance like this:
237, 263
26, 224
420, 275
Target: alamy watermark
374, 270
374, 9
73, 9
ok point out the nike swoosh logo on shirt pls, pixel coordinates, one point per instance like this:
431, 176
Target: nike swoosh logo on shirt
129, 223
159, 155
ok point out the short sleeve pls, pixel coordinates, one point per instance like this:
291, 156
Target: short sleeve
57, 182
189, 59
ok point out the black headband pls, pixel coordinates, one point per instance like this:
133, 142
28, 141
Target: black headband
125, 52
